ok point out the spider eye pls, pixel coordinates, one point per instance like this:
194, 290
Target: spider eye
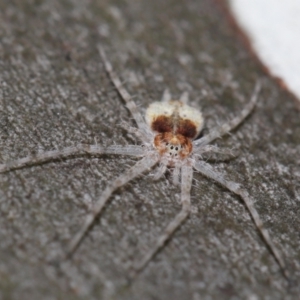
172, 147
176, 148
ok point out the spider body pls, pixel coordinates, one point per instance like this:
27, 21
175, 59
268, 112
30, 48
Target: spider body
168, 135
175, 124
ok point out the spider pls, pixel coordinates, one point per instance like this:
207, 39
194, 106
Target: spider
168, 139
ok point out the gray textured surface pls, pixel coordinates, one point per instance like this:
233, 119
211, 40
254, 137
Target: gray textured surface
54, 93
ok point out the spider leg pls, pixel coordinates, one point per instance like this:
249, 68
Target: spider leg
186, 183
123, 93
80, 149
141, 166
161, 170
166, 97
214, 149
175, 175
208, 171
136, 131
184, 98
227, 127
205, 151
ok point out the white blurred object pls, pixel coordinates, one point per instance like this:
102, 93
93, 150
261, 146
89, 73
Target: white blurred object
273, 27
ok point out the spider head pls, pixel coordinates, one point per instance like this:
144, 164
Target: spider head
173, 146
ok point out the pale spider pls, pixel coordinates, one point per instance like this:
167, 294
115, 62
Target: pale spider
167, 135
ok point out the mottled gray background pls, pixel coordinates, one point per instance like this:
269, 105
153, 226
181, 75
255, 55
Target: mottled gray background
54, 93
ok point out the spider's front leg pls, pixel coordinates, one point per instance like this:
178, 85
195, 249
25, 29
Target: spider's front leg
140, 167
186, 184
209, 172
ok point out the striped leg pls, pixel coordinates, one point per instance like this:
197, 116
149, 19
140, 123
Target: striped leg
186, 184
123, 92
208, 171
80, 149
227, 127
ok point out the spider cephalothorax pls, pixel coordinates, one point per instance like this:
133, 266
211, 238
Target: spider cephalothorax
173, 146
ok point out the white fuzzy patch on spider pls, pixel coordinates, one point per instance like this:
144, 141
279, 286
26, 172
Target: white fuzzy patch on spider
168, 136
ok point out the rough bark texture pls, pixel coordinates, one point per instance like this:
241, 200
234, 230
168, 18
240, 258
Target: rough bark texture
54, 93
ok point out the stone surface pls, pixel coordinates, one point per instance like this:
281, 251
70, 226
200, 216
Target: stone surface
54, 93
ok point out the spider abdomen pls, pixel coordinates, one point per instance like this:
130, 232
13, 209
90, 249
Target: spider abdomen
176, 117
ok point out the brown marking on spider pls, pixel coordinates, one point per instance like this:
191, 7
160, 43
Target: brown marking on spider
162, 124
187, 128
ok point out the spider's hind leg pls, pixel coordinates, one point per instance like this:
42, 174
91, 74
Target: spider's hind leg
166, 97
140, 134
184, 98
130, 104
232, 124
214, 153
